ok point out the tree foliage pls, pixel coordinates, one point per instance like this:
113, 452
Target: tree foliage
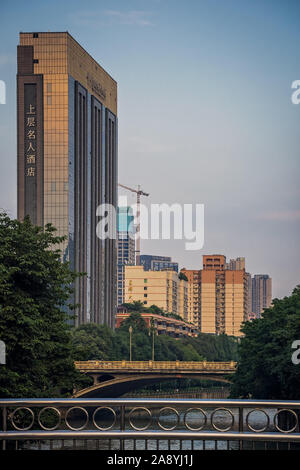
115, 345
34, 292
265, 368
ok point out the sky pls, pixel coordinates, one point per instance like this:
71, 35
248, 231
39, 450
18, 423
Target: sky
205, 115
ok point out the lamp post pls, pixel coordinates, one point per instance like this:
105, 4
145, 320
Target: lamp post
153, 332
130, 343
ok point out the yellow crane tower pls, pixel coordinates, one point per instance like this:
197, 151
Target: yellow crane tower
139, 193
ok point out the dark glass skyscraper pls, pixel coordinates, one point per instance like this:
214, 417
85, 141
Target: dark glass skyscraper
67, 159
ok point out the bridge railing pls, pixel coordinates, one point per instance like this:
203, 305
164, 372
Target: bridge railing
162, 424
155, 365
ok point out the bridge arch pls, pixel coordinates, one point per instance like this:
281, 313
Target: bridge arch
119, 385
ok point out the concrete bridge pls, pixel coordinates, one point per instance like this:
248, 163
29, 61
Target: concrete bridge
115, 378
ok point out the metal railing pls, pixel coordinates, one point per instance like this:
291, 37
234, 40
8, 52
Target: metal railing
156, 365
149, 424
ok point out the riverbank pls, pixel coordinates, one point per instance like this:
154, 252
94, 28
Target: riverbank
218, 392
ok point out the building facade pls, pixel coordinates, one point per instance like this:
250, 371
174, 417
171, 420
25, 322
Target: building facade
157, 263
224, 297
194, 298
237, 264
163, 325
261, 293
126, 247
67, 159
161, 288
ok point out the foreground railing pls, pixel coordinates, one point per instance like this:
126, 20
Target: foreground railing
161, 424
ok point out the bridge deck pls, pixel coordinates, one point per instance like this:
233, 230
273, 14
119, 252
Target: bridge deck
155, 366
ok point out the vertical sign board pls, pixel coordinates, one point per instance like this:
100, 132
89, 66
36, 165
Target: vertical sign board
30, 150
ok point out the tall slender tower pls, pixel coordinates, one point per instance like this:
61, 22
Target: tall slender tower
67, 159
126, 247
261, 293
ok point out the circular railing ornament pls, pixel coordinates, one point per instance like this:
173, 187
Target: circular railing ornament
190, 427
107, 428
216, 427
143, 428
13, 416
293, 414
80, 428
58, 414
177, 418
255, 429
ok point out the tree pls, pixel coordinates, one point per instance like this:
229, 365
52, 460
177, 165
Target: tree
35, 288
92, 342
265, 368
136, 306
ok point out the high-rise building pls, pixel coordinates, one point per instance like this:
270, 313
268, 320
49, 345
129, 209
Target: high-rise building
194, 299
126, 247
157, 263
224, 302
161, 288
237, 264
261, 293
249, 294
67, 159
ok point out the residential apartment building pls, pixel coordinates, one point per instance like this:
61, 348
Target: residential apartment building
224, 301
161, 288
261, 293
163, 325
194, 298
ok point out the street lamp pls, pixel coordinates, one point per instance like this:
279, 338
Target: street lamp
130, 343
153, 332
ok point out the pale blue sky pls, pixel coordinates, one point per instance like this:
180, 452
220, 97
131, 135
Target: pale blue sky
205, 114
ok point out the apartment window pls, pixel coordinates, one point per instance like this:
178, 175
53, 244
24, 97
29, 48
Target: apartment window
53, 186
145, 295
35, 35
35, 61
145, 280
49, 100
49, 87
145, 302
145, 288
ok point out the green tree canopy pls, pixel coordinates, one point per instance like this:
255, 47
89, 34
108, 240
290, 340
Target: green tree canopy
34, 292
265, 368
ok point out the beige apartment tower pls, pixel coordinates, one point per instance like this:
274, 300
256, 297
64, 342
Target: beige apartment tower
161, 288
193, 280
224, 299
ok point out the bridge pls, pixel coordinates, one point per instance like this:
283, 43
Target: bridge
115, 378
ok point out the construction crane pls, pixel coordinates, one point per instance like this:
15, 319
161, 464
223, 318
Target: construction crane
139, 193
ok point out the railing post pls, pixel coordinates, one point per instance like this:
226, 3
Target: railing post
241, 425
4, 425
122, 424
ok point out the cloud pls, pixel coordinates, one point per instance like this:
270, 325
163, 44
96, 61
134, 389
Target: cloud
132, 17
281, 215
